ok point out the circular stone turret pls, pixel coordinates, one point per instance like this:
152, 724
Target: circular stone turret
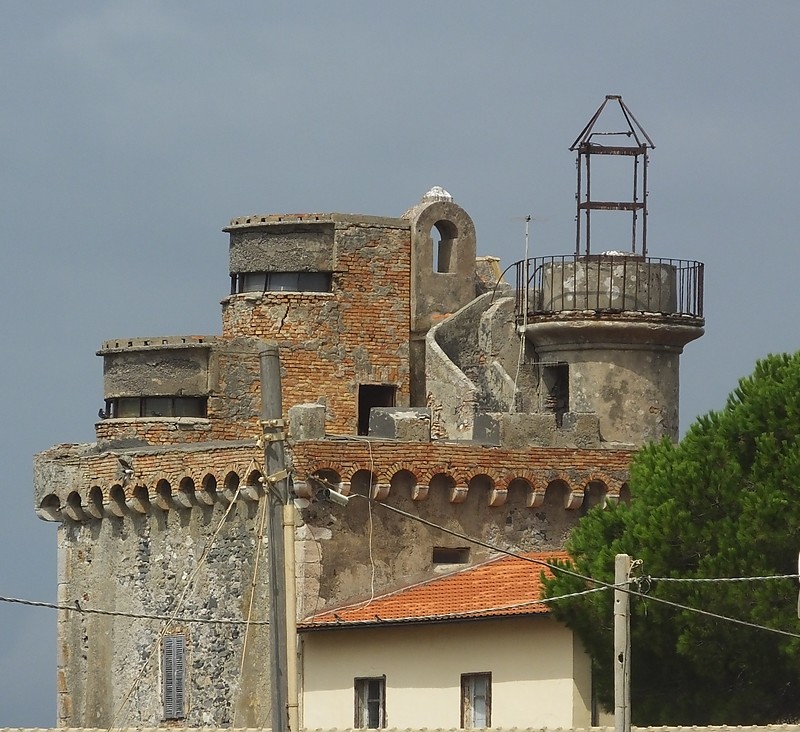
610, 328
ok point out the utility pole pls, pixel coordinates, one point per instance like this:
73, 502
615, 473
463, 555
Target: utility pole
280, 533
622, 644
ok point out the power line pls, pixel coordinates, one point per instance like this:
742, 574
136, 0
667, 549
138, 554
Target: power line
648, 578
709, 614
81, 610
601, 583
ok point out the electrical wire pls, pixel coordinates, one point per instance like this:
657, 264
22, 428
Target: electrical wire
259, 541
600, 583
720, 579
466, 613
709, 614
81, 610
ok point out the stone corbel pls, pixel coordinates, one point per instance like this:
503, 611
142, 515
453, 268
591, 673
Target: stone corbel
139, 501
535, 498
72, 509
497, 496
250, 493
574, 500
205, 497
419, 492
458, 493
183, 499
380, 491
116, 504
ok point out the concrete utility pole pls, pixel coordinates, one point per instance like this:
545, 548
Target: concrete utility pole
622, 644
282, 628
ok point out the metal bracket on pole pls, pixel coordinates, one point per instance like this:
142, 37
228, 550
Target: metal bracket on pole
276, 477
273, 437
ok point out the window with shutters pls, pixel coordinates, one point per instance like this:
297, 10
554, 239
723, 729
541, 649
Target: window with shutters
476, 700
370, 703
173, 651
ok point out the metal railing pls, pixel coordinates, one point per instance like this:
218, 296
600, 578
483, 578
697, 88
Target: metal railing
608, 283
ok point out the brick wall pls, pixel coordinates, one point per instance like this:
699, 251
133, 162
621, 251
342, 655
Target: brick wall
332, 342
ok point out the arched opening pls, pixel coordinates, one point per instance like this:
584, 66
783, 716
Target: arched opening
594, 495
141, 499
50, 508
209, 487
164, 492
187, 487
325, 479
479, 488
403, 483
444, 236
364, 483
556, 493
116, 500
95, 502
231, 481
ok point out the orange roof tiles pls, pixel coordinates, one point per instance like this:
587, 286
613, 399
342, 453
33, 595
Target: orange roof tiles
503, 586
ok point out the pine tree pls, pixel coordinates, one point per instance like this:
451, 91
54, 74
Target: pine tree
724, 502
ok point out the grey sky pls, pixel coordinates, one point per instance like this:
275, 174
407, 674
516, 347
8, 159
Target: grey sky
133, 131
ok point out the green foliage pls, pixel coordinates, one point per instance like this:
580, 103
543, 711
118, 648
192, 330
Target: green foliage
725, 502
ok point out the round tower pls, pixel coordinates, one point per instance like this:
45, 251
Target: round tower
606, 330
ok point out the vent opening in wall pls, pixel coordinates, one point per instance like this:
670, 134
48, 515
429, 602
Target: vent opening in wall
173, 651
451, 555
443, 237
373, 395
555, 380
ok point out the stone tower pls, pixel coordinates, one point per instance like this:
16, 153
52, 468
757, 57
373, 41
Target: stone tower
412, 374
607, 329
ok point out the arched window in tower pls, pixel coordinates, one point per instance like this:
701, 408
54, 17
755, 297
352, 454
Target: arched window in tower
444, 237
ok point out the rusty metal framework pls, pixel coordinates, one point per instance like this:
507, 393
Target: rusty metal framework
586, 146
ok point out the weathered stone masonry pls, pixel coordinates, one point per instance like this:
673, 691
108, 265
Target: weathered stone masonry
391, 394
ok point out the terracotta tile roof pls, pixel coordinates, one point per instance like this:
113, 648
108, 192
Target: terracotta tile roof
502, 586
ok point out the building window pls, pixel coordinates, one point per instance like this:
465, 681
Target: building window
476, 700
451, 555
370, 704
369, 396
280, 282
132, 407
173, 651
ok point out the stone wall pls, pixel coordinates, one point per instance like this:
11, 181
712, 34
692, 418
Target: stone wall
520, 500
109, 667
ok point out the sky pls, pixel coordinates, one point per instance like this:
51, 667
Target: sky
132, 132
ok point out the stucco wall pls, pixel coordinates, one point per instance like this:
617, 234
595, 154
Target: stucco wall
539, 678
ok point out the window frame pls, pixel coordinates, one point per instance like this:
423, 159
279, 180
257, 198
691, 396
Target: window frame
468, 697
361, 688
175, 402
280, 281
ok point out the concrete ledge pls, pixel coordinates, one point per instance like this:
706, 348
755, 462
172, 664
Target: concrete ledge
410, 424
